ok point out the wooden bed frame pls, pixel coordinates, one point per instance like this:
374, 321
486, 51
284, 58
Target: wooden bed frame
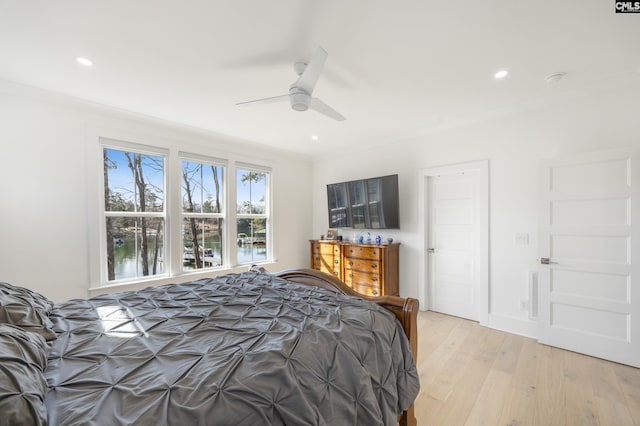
406, 310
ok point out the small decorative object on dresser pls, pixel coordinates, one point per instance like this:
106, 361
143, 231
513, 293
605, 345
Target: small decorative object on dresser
369, 269
332, 234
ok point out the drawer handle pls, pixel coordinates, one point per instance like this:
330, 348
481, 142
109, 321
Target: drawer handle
335, 272
335, 261
350, 275
350, 263
374, 266
374, 292
374, 279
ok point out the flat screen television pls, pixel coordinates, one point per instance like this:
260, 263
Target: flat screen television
366, 203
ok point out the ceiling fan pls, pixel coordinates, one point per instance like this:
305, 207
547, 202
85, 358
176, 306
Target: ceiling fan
300, 91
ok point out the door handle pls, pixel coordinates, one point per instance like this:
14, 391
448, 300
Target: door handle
431, 250
546, 261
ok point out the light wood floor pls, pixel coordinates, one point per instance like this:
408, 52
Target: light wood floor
473, 375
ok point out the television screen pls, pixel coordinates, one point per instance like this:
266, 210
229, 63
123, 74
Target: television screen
338, 206
365, 203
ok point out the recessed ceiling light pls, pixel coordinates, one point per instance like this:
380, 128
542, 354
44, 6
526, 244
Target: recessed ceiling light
314, 137
84, 61
501, 74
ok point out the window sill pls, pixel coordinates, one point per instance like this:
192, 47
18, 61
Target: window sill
181, 278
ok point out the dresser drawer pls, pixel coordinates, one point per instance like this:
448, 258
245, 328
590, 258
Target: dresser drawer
330, 272
328, 261
365, 265
362, 278
362, 252
366, 290
329, 268
330, 249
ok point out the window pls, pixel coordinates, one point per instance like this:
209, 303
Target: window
134, 213
168, 213
202, 214
252, 214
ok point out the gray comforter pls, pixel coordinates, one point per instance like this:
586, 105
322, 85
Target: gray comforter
242, 349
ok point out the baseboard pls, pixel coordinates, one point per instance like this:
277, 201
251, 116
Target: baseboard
520, 326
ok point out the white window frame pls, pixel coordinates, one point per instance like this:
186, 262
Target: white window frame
266, 215
174, 152
184, 156
108, 143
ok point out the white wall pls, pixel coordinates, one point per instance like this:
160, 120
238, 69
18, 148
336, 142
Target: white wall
45, 224
514, 145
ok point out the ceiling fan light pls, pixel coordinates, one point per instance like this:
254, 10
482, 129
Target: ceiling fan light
299, 101
299, 107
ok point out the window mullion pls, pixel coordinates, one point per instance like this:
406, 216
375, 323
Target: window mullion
175, 212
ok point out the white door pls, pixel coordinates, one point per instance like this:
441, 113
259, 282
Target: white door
590, 235
452, 254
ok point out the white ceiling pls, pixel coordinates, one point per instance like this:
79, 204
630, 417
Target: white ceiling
396, 69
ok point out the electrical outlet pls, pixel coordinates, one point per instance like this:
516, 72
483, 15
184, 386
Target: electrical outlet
524, 305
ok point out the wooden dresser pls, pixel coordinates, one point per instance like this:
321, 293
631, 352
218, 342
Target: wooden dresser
326, 256
370, 269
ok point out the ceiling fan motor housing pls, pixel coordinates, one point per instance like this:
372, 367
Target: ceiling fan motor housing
299, 99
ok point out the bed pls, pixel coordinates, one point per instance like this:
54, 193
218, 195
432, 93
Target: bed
295, 347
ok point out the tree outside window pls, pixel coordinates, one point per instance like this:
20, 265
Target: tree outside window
141, 237
202, 215
134, 213
252, 215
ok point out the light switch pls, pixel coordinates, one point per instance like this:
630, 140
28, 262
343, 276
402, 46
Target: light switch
522, 239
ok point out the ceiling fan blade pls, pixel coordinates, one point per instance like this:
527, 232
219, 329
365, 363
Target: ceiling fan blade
317, 105
266, 100
308, 79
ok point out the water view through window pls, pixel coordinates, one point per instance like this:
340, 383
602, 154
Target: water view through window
127, 263
136, 222
134, 213
251, 215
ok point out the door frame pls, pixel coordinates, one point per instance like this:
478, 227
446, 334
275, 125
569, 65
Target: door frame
482, 167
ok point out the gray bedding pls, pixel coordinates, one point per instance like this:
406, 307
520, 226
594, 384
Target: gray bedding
241, 349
